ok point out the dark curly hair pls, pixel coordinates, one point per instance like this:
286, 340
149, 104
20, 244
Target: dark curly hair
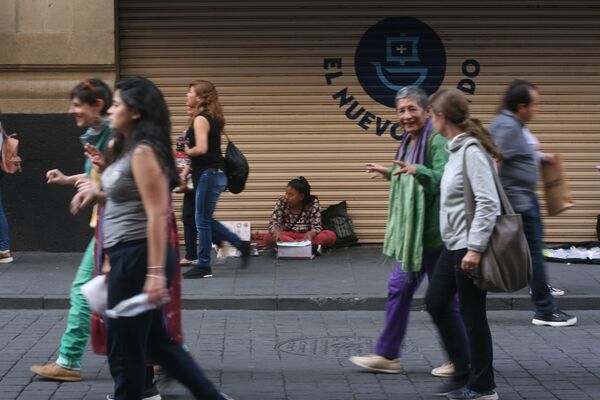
302, 186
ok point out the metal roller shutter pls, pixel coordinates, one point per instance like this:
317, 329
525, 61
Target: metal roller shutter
266, 59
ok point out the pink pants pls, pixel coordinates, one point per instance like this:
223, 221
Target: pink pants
323, 238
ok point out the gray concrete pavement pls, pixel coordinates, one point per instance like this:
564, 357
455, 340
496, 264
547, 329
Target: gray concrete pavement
301, 355
346, 279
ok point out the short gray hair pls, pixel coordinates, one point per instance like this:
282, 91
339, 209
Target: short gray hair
415, 93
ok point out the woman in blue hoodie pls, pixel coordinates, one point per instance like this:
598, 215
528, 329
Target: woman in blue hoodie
463, 246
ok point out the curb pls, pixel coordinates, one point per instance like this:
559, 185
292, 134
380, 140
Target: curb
307, 303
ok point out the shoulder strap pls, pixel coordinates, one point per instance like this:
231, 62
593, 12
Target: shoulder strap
468, 190
297, 218
433, 135
430, 145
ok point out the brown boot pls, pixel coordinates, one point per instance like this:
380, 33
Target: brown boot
56, 372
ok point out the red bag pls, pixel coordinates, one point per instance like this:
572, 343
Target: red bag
11, 162
171, 310
98, 334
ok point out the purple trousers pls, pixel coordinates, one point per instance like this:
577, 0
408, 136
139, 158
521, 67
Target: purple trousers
401, 290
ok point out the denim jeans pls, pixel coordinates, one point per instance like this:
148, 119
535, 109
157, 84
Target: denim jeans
540, 293
4, 240
210, 185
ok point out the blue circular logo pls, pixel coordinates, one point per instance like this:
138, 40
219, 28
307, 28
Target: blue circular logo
398, 52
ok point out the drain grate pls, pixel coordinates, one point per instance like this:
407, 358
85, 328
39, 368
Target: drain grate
330, 346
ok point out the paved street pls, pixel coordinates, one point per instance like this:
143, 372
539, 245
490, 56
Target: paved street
346, 279
300, 355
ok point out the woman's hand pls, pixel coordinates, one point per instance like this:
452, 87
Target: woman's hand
96, 156
82, 199
310, 235
277, 236
105, 269
56, 177
470, 261
550, 158
408, 169
156, 287
84, 184
376, 170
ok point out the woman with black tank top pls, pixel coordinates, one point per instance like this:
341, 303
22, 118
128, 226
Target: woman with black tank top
136, 197
208, 172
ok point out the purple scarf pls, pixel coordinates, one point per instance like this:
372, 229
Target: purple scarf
416, 153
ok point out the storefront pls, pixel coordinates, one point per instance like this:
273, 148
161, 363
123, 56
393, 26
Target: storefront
307, 85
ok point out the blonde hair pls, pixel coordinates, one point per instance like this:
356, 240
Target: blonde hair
209, 102
453, 104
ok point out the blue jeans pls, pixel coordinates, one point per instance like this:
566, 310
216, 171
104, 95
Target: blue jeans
211, 184
540, 293
4, 240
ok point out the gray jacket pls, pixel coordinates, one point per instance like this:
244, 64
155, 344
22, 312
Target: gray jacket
453, 225
519, 169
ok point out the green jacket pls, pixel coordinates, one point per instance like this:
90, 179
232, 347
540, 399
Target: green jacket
429, 177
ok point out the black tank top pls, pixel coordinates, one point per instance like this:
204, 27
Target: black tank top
213, 158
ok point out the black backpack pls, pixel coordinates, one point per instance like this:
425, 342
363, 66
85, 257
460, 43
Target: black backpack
237, 168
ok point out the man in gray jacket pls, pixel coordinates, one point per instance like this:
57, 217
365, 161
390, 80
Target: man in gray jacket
519, 174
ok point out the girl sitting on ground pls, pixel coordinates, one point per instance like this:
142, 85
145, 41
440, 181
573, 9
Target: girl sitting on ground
297, 217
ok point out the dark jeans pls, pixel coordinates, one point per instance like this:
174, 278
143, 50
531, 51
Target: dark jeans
190, 233
210, 185
130, 339
447, 279
540, 293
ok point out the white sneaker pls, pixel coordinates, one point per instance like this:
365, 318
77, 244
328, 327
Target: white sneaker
556, 291
376, 363
444, 370
6, 257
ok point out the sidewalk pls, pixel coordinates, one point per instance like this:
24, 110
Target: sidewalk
303, 355
346, 279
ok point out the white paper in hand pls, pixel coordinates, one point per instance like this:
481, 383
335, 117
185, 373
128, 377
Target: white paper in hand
96, 293
133, 306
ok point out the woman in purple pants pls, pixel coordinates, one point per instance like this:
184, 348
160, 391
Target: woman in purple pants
412, 233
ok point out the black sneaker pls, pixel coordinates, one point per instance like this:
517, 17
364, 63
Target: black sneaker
450, 385
198, 272
245, 250
557, 318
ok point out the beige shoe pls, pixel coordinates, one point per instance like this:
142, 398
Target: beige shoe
444, 370
158, 370
185, 262
56, 372
376, 363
